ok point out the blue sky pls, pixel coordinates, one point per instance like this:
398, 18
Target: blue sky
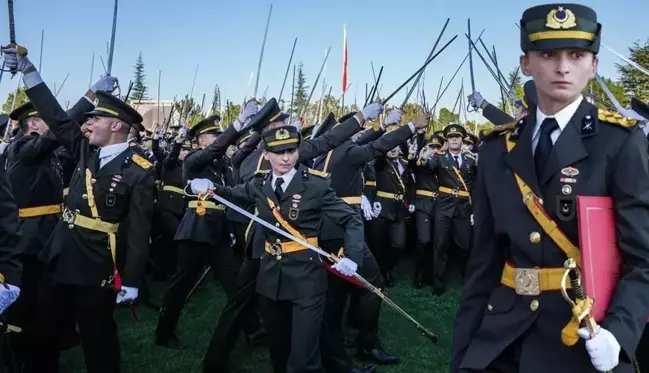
224, 39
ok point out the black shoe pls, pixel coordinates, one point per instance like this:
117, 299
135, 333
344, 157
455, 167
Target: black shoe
379, 355
172, 342
389, 281
257, 338
367, 369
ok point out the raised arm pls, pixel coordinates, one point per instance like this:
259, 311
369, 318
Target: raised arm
241, 154
198, 160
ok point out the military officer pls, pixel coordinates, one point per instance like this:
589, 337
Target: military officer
512, 316
88, 258
292, 281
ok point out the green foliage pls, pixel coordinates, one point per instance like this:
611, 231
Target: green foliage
616, 88
516, 82
446, 117
21, 98
301, 91
635, 82
140, 89
216, 100
187, 109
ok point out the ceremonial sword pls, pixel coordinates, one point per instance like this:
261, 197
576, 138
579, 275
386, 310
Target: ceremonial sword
376, 291
21, 51
261, 55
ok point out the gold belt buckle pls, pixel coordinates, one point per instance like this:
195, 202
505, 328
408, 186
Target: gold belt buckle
68, 216
456, 192
527, 281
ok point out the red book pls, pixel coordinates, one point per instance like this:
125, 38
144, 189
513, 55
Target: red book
599, 252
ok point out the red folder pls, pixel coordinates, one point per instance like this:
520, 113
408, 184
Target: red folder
599, 252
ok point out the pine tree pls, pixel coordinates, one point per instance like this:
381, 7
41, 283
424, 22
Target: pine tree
216, 101
299, 101
635, 82
139, 85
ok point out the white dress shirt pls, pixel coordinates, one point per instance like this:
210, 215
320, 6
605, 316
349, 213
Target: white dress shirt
459, 158
110, 152
562, 117
287, 179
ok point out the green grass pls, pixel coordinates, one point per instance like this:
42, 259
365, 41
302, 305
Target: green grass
200, 316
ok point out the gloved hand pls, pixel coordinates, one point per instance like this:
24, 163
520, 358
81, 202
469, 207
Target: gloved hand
604, 350
251, 108
377, 209
8, 296
471, 219
346, 266
14, 61
127, 295
106, 83
372, 111
201, 186
366, 207
297, 124
233, 239
412, 148
394, 117
411, 208
476, 100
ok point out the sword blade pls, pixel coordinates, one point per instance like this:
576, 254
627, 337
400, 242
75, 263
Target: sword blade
12, 27
112, 41
261, 55
471, 56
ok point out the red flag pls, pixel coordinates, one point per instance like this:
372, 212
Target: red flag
344, 58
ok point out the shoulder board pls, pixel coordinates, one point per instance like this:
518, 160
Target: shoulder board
441, 153
498, 130
141, 161
262, 172
469, 155
613, 117
323, 175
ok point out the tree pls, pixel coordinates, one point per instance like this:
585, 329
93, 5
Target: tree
301, 95
216, 101
446, 117
21, 98
139, 90
634, 81
187, 109
616, 88
516, 82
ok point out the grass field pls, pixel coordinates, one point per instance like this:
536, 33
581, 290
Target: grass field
200, 316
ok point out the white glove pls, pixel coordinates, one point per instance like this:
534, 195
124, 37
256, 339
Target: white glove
346, 266
297, 124
248, 111
127, 295
604, 350
182, 134
476, 100
366, 207
14, 62
233, 239
393, 118
372, 111
201, 186
8, 296
107, 83
471, 219
377, 209
411, 208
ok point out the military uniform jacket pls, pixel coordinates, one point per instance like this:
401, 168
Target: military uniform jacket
496, 116
10, 258
298, 274
443, 167
389, 180
172, 176
611, 161
425, 183
346, 164
122, 191
206, 163
238, 158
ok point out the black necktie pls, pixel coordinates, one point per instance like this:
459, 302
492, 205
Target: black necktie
278, 188
544, 147
455, 160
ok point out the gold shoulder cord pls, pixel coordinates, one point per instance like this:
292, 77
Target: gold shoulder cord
91, 194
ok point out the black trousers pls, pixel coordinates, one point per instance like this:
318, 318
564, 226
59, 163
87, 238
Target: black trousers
642, 351
165, 252
363, 312
293, 328
93, 307
450, 229
192, 259
423, 247
238, 312
507, 362
388, 242
239, 231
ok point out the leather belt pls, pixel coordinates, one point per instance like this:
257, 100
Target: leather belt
205, 204
532, 281
395, 196
171, 188
352, 200
426, 193
76, 219
32, 212
454, 192
278, 248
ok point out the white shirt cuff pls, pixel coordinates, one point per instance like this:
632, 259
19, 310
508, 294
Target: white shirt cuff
32, 79
412, 127
89, 100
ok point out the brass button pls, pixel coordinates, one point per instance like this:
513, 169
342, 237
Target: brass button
535, 237
534, 305
93, 181
277, 224
84, 196
490, 307
278, 240
540, 201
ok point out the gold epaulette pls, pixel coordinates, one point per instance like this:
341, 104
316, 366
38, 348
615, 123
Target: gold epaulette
469, 155
323, 175
141, 161
613, 117
498, 130
441, 153
262, 172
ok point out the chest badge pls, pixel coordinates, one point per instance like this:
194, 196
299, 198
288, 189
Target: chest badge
294, 211
570, 172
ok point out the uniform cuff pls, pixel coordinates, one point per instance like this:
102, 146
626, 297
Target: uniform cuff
412, 127
89, 100
32, 79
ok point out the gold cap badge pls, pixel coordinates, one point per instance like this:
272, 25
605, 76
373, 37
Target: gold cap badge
282, 134
561, 18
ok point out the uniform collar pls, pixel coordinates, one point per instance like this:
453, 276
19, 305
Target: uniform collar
112, 150
562, 117
287, 178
